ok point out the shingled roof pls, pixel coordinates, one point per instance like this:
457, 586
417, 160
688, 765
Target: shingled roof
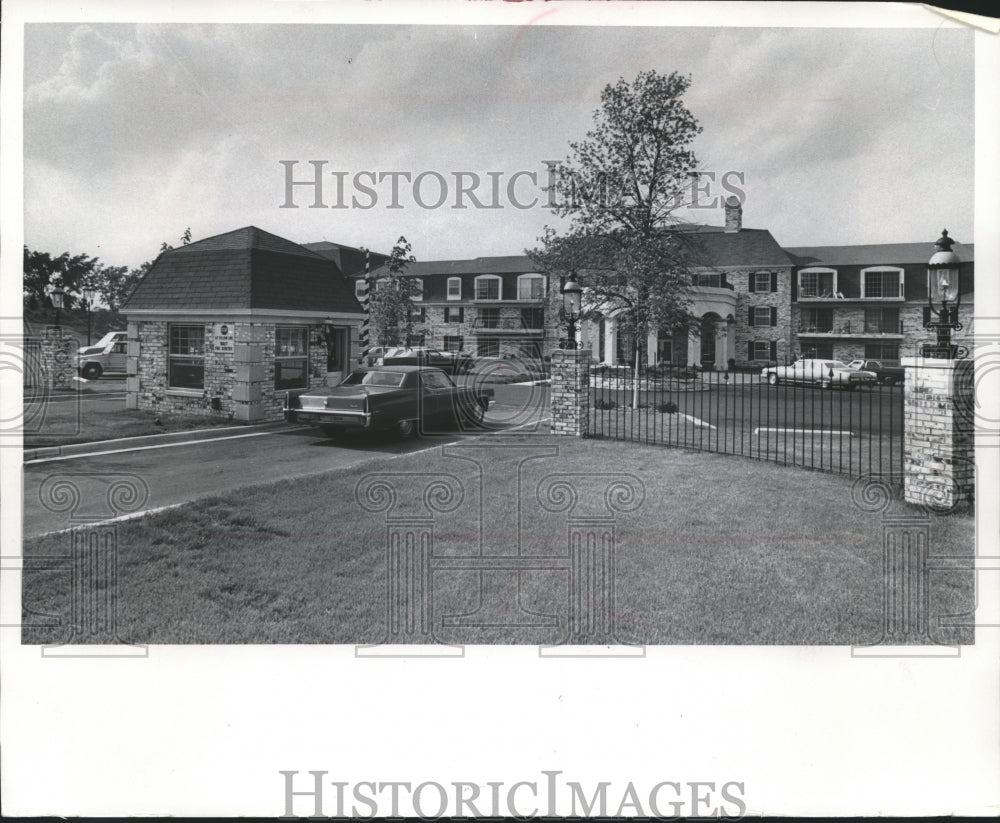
243, 269
511, 264
713, 246
349, 259
874, 255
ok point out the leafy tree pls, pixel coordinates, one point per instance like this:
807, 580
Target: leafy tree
115, 283
390, 303
620, 188
43, 272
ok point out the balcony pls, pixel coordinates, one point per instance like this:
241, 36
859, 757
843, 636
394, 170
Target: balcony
504, 326
855, 328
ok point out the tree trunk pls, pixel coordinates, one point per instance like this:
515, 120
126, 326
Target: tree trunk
635, 381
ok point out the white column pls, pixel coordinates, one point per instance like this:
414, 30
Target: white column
721, 344
651, 349
694, 346
610, 340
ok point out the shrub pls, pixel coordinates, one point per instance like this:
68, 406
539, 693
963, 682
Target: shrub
670, 407
605, 403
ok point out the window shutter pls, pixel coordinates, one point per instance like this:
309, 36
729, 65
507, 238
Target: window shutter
927, 315
774, 315
774, 281
750, 312
750, 278
750, 350
774, 351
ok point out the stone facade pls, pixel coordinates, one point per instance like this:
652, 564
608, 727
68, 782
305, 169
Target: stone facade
569, 398
57, 366
239, 369
938, 439
747, 332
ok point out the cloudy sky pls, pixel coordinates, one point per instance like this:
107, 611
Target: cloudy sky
134, 132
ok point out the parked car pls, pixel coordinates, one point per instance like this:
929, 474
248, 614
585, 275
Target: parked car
886, 375
107, 356
375, 355
826, 373
388, 398
451, 361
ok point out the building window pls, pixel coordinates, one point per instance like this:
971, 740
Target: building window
186, 357
360, 289
418, 291
291, 357
454, 288
530, 287
454, 314
763, 281
530, 349
711, 281
487, 287
418, 314
882, 321
489, 318
815, 283
882, 351
533, 318
882, 283
762, 350
488, 347
817, 350
453, 342
763, 316
817, 320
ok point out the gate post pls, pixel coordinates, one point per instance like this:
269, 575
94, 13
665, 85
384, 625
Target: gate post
569, 399
938, 437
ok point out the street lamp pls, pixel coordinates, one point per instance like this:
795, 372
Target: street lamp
58, 294
943, 297
89, 293
572, 294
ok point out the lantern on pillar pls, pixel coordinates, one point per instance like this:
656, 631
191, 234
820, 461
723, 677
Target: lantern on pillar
572, 294
943, 297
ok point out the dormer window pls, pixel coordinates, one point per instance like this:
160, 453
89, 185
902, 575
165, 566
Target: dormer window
882, 283
488, 287
530, 287
817, 283
454, 288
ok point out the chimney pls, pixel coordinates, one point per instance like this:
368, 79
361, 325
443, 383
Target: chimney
734, 214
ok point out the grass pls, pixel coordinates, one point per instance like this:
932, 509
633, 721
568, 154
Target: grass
723, 550
64, 422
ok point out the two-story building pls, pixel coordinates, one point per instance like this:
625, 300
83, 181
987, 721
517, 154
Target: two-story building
853, 302
488, 306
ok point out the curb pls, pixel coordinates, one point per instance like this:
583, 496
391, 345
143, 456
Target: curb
38, 452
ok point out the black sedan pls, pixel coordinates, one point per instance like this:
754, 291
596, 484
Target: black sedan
404, 399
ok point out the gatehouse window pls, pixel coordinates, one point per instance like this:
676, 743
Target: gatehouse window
530, 287
882, 283
291, 357
186, 357
488, 287
817, 283
454, 288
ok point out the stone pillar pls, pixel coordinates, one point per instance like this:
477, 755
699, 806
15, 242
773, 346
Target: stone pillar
58, 360
133, 383
938, 436
694, 344
249, 373
569, 398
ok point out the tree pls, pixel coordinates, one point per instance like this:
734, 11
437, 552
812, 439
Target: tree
42, 272
115, 283
390, 303
620, 188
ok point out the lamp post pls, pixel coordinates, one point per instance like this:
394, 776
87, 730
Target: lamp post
57, 295
89, 293
943, 298
572, 294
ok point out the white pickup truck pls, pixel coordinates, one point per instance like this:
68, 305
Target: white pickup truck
106, 356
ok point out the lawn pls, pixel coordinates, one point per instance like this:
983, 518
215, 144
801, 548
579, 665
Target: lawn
722, 550
59, 423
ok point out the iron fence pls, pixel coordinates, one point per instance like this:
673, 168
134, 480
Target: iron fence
839, 427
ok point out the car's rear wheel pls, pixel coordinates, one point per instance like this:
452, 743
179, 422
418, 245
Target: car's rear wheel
92, 371
772, 380
406, 429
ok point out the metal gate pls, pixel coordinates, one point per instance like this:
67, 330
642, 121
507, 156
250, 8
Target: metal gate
856, 432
